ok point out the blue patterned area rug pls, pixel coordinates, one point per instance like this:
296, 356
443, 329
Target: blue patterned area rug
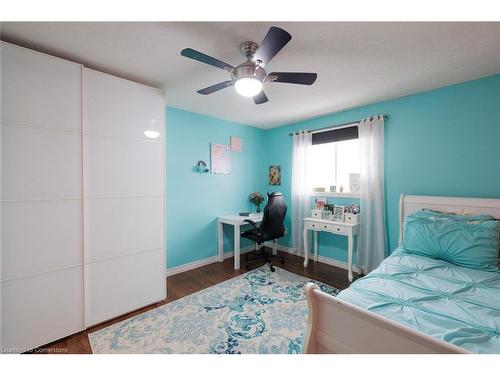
257, 312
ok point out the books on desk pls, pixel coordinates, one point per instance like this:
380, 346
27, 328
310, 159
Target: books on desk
248, 214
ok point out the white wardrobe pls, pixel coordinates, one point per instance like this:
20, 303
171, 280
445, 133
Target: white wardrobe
82, 197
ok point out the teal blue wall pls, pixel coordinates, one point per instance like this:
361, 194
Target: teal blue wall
194, 200
439, 142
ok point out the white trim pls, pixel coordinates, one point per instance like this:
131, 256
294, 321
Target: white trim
334, 195
337, 263
203, 262
289, 250
322, 259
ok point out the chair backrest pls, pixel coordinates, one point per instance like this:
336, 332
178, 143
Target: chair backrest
272, 226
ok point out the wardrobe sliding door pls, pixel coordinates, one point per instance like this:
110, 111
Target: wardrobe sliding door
41, 199
124, 226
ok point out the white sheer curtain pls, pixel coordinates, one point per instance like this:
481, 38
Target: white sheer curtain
301, 185
373, 241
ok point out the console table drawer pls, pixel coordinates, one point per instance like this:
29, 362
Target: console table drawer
312, 225
334, 228
328, 227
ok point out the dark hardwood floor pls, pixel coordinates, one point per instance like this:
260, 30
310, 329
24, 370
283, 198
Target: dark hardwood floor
189, 282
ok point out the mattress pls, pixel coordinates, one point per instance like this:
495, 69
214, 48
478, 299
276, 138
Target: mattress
455, 304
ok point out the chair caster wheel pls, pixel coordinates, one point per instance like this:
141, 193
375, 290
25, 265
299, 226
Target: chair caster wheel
273, 269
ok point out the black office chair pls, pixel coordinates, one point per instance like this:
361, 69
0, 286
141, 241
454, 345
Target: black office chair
270, 229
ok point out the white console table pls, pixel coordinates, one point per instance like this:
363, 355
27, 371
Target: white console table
348, 230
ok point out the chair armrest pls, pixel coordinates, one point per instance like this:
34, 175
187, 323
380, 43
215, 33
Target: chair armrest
252, 223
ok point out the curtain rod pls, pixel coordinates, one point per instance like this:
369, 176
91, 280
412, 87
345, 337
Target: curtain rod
339, 126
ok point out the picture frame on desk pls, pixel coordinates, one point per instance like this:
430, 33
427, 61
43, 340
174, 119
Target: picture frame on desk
338, 213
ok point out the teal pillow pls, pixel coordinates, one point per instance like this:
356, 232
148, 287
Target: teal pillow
467, 243
453, 216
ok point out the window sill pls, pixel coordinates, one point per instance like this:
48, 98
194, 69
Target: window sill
334, 195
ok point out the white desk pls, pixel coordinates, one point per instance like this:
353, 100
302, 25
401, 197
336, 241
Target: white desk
236, 221
348, 230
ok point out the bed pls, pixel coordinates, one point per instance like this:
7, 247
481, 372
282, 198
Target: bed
412, 303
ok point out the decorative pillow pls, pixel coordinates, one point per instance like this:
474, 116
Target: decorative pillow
467, 243
459, 216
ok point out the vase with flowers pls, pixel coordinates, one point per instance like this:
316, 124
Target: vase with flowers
257, 199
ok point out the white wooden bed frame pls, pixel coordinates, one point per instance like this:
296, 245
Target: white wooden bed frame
337, 326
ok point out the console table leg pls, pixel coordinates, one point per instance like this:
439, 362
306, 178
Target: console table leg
315, 246
306, 248
349, 257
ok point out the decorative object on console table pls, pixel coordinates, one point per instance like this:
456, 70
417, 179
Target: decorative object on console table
320, 203
354, 182
319, 189
275, 175
333, 189
352, 214
327, 215
338, 213
352, 218
257, 199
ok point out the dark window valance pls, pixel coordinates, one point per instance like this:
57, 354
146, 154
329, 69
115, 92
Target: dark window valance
335, 135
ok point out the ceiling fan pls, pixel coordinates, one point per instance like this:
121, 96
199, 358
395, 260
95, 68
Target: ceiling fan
249, 77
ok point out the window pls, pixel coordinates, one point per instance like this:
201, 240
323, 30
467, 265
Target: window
334, 158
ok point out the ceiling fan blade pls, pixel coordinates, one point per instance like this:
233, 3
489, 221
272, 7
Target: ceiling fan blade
196, 55
273, 42
211, 89
289, 77
260, 98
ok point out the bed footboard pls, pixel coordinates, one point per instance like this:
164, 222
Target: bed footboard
336, 326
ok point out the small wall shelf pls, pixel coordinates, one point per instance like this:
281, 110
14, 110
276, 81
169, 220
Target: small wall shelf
334, 195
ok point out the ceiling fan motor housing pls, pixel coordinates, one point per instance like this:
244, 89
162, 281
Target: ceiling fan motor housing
248, 70
248, 49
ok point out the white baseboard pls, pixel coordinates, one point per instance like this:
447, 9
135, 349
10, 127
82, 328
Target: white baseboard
203, 262
322, 259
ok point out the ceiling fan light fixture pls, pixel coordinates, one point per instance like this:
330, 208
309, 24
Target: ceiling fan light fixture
248, 86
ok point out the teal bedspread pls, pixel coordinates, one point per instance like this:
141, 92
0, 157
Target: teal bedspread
456, 304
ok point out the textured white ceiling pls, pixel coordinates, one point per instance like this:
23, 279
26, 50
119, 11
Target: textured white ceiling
357, 63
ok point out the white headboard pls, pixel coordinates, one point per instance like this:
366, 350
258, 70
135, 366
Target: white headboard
412, 203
